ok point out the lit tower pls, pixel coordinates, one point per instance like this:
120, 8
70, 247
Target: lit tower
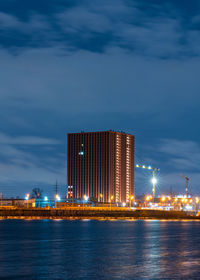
154, 180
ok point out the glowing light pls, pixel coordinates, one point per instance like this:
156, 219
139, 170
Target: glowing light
45, 198
149, 167
85, 197
124, 204
154, 180
143, 166
197, 200
112, 197
132, 197
188, 207
163, 198
27, 196
57, 197
148, 197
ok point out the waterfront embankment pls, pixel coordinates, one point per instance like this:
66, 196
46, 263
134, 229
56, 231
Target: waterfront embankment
91, 213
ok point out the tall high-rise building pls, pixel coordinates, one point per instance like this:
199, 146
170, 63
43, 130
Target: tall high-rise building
100, 165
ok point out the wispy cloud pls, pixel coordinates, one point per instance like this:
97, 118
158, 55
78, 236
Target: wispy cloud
182, 154
128, 27
8, 21
80, 19
26, 140
35, 23
21, 164
155, 31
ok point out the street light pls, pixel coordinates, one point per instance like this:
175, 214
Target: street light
163, 198
196, 203
148, 197
46, 199
131, 198
85, 198
27, 198
154, 180
57, 198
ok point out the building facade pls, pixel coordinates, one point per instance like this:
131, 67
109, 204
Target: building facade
100, 165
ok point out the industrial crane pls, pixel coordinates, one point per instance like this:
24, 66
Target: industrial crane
187, 183
154, 181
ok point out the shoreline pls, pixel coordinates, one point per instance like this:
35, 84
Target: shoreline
34, 218
93, 214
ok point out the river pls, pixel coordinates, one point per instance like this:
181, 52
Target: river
92, 249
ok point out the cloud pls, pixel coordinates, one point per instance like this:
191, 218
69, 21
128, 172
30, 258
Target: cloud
157, 38
8, 21
159, 33
35, 23
23, 166
183, 154
128, 26
48, 79
26, 140
155, 31
18, 34
28, 152
81, 20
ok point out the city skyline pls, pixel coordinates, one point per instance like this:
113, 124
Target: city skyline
99, 139
88, 65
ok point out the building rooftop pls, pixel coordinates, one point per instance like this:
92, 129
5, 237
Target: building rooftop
110, 131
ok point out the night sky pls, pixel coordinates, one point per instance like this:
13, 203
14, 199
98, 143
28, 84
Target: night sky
78, 65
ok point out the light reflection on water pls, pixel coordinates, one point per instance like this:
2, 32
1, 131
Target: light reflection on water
89, 249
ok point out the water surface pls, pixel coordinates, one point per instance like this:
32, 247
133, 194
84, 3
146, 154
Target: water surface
90, 249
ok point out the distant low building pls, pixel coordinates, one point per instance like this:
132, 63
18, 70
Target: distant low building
19, 202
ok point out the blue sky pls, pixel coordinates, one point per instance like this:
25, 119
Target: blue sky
93, 65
